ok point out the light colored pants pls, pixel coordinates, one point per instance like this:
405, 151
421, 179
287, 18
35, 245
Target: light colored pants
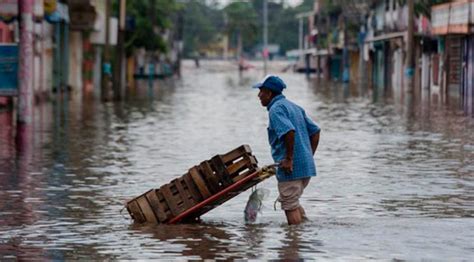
290, 193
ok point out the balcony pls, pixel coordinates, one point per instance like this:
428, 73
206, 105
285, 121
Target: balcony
453, 18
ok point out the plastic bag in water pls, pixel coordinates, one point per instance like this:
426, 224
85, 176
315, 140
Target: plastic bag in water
254, 204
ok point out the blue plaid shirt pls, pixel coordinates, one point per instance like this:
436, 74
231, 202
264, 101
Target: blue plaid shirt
285, 116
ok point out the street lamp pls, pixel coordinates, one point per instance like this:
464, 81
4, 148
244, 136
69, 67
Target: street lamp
265, 36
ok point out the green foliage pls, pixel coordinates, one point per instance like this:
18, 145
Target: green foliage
152, 17
283, 26
205, 22
202, 25
331, 7
241, 20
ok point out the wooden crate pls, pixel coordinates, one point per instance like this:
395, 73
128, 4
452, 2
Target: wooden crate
199, 183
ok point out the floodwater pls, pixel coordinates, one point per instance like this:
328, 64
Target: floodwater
394, 182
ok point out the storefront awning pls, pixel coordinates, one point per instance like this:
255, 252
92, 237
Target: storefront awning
385, 37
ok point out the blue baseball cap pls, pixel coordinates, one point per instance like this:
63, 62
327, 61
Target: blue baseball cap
273, 83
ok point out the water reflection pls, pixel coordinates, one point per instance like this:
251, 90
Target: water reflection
383, 166
297, 246
196, 241
232, 241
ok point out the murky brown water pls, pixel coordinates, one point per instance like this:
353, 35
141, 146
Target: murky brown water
393, 183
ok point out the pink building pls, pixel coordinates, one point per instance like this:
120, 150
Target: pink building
5, 37
5, 33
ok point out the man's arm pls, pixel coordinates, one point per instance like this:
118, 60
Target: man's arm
287, 163
314, 142
314, 130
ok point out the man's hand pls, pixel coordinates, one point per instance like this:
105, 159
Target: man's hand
287, 165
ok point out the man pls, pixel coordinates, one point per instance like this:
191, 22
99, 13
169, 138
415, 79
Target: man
293, 138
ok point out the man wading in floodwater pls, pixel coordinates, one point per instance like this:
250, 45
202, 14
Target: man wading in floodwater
293, 137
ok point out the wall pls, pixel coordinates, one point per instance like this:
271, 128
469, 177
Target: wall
75, 61
5, 33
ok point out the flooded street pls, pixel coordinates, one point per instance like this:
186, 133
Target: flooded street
392, 183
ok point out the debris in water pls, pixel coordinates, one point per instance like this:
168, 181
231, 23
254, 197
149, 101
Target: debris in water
254, 204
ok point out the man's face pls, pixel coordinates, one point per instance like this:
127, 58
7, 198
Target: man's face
265, 96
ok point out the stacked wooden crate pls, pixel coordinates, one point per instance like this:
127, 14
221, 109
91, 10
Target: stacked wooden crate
201, 182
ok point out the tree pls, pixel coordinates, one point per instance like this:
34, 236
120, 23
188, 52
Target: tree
241, 22
202, 24
151, 17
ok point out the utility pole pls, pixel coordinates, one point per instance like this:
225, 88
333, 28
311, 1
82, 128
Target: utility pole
300, 36
106, 67
25, 74
305, 58
265, 35
120, 53
226, 38
180, 42
345, 55
25, 77
410, 59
